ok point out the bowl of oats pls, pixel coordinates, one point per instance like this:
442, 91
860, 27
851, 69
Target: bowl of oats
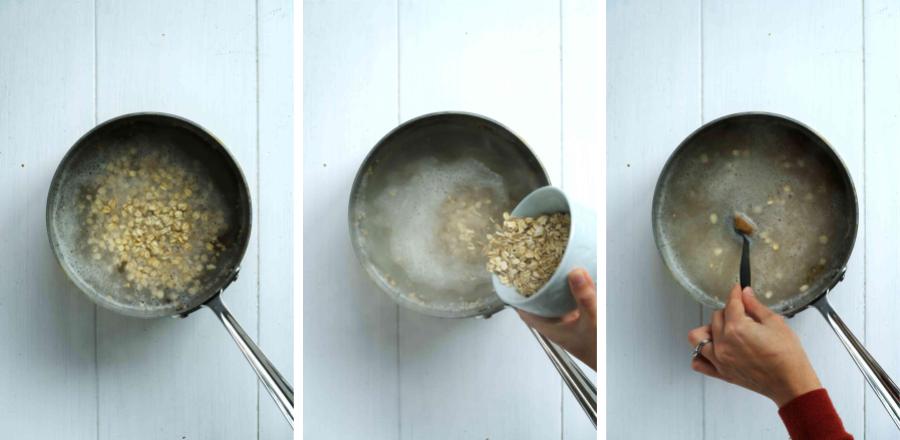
533, 249
423, 201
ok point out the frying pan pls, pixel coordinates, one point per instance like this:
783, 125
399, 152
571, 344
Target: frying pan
148, 132
446, 137
780, 143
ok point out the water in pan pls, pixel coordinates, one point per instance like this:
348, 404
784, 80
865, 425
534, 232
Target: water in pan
150, 224
425, 229
796, 200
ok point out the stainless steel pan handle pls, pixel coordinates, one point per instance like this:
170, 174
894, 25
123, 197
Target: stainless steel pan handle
278, 388
881, 383
584, 391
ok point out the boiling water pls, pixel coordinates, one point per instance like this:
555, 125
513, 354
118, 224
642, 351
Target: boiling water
431, 216
121, 170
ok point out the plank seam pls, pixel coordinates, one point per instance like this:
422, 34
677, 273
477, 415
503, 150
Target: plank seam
259, 223
562, 163
865, 206
95, 63
96, 314
702, 119
399, 376
562, 178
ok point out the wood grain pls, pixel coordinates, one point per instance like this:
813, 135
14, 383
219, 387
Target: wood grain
480, 378
48, 369
65, 67
653, 102
582, 147
182, 378
882, 95
275, 200
775, 57
369, 66
349, 326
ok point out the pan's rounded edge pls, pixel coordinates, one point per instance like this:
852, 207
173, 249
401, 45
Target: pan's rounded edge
655, 206
80, 283
838, 275
484, 312
49, 216
232, 276
709, 302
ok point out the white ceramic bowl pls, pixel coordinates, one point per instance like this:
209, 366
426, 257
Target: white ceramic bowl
554, 299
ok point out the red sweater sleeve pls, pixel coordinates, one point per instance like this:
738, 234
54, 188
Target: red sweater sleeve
812, 416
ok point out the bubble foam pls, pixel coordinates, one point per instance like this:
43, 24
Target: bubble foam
412, 209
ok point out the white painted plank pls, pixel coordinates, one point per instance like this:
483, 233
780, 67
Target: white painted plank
882, 92
802, 59
473, 378
581, 148
349, 326
184, 378
46, 323
653, 102
275, 220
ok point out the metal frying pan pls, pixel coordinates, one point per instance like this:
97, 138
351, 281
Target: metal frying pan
158, 133
444, 154
790, 182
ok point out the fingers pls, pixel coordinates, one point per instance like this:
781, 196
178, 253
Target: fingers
569, 318
536, 321
565, 332
584, 291
698, 334
734, 308
709, 353
550, 327
706, 367
755, 309
717, 325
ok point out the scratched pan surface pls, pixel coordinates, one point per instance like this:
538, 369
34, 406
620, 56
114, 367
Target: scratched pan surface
782, 176
181, 140
407, 175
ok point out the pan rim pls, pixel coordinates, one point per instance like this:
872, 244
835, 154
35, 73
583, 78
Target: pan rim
838, 160
85, 287
490, 308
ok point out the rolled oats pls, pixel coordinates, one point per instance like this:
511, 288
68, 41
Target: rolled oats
152, 220
524, 252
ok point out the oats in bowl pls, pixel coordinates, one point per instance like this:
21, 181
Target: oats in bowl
524, 252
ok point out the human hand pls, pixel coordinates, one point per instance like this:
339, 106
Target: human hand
754, 348
575, 331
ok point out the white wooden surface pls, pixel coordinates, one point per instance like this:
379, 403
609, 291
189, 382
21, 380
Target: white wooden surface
46, 325
373, 370
76, 371
701, 60
653, 101
882, 133
580, 116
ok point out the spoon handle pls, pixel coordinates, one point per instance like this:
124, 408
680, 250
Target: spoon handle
745, 263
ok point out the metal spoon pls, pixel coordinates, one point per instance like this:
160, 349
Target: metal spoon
745, 229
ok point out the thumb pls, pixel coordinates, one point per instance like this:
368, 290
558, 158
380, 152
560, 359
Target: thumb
584, 291
754, 308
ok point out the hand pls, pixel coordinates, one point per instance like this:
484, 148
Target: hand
575, 331
754, 348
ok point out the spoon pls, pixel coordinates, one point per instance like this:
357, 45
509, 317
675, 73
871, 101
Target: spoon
745, 229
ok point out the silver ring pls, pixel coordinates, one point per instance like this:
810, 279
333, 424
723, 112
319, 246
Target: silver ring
699, 347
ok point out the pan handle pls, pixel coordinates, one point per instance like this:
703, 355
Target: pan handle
584, 391
881, 383
278, 388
